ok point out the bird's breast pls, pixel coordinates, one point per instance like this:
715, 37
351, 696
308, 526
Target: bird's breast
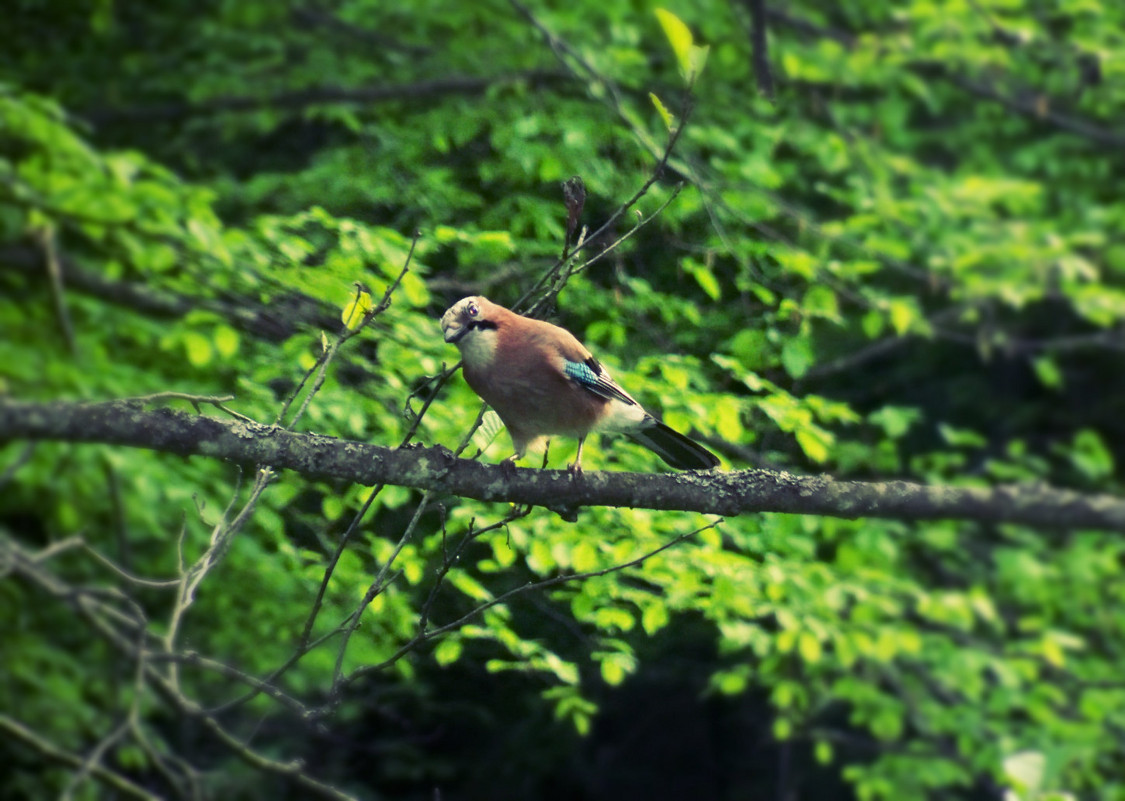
533, 395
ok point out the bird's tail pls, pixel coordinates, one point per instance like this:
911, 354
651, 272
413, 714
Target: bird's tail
673, 447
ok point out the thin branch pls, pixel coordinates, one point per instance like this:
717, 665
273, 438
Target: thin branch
266, 687
105, 621
346, 333
131, 578
49, 245
192, 576
93, 760
424, 636
329, 569
583, 70
293, 770
18, 732
449, 560
382, 580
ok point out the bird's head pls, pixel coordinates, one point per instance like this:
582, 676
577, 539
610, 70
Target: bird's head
467, 318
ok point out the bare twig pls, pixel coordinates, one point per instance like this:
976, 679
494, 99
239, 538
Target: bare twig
424, 636
122, 573
264, 687
449, 560
345, 538
194, 400
346, 333
46, 236
380, 583
129, 635
21, 733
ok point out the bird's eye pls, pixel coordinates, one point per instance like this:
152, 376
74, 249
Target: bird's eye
472, 310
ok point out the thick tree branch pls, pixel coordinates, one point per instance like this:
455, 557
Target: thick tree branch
128, 422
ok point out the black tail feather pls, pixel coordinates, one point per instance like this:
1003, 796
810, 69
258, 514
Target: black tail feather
673, 447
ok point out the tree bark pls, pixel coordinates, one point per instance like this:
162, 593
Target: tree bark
128, 422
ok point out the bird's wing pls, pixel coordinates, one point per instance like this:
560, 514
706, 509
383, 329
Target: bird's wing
590, 375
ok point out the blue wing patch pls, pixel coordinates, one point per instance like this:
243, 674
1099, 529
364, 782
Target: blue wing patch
592, 377
581, 372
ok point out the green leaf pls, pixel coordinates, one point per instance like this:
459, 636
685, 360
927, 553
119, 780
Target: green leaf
782, 729
1025, 770
490, 426
198, 349
703, 276
872, 323
903, 314
654, 617
1048, 372
469, 585
820, 301
797, 356
808, 646
752, 349
332, 507
815, 442
886, 725
1091, 456
612, 672
584, 557
357, 310
895, 420
731, 682
448, 651
679, 36
540, 559
226, 341
961, 437
697, 59
665, 115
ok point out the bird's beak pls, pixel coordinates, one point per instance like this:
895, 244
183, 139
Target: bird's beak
453, 331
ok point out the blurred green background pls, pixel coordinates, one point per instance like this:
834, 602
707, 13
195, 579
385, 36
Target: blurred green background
897, 253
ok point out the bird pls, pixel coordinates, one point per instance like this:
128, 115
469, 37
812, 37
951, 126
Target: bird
542, 381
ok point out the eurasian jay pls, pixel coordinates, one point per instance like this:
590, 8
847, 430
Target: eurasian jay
542, 381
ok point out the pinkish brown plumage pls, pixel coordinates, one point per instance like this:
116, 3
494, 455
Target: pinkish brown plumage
542, 382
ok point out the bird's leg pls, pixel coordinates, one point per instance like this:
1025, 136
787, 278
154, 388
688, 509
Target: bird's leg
575, 469
508, 466
546, 450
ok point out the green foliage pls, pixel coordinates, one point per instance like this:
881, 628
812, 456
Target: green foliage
907, 265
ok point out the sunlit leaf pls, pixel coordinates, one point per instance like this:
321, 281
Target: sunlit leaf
665, 115
357, 309
679, 36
